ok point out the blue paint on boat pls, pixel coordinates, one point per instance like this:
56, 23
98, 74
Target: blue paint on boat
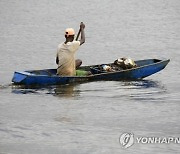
48, 76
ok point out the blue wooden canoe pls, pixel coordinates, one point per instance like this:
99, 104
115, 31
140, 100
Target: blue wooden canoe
48, 76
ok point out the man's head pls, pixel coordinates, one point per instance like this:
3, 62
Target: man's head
69, 34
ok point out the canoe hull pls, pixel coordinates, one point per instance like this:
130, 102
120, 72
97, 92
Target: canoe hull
49, 77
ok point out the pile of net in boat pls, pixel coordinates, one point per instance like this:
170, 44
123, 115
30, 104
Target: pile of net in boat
118, 65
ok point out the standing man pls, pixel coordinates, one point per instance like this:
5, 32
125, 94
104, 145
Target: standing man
65, 58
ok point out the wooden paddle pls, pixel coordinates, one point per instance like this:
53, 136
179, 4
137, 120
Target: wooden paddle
78, 34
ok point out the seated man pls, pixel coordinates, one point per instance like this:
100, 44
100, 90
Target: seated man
65, 58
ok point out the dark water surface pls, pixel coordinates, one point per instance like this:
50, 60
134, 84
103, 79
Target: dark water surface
89, 117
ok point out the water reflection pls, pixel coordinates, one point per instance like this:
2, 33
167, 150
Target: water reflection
146, 90
138, 84
133, 90
69, 90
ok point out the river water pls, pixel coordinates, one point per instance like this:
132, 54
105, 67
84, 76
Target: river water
90, 117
